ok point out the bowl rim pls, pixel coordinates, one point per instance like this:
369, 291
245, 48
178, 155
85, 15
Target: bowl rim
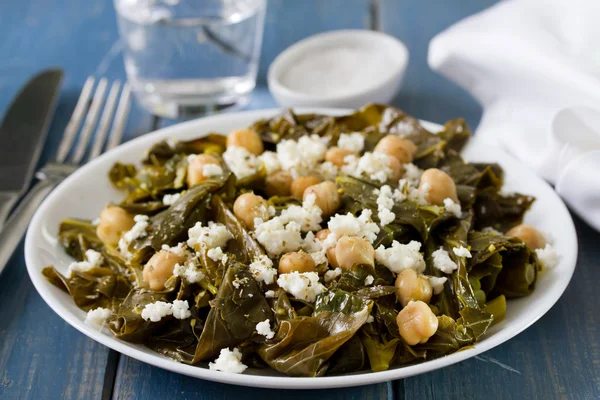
348, 380
341, 36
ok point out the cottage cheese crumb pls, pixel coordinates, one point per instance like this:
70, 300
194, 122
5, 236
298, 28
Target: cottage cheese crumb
262, 270
443, 262
212, 170
228, 361
354, 142
300, 157
189, 272
399, 257
437, 284
375, 166
329, 170
278, 236
548, 256
264, 328
217, 255
213, 235
270, 162
412, 173
97, 318
180, 309
349, 225
308, 216
170, 199
303, 286
138, 231
178, 250
94, 260
156, 311
462, 252
385, 203
332, 274
489, 229
270, 294
369, 280
241, 162
453, 207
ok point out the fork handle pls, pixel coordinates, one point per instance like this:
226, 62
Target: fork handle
17, 224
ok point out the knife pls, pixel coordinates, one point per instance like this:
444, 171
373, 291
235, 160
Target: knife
22, 135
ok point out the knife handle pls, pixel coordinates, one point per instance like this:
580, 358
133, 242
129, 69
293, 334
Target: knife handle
17, 224
7, 200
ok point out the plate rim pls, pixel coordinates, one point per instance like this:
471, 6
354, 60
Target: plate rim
280, 382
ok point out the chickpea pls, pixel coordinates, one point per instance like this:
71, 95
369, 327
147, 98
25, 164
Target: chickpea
322, 235
249, 206
195, 170
298, 261
441, 186
352, 251
531, 236
160, 268
246, 138
401, 149
279, 184
412, 287
327, 197
336, 156
300, 184
416, 323
113, 222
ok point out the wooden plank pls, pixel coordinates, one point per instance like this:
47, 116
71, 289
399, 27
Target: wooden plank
137, 380
425, 94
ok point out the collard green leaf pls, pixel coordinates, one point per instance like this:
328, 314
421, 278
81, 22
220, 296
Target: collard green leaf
235, 311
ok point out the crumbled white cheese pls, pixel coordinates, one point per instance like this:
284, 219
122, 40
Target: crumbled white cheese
548, 256
270, 162
385, 203
349, 225
332, 274
375, 166
212, 170
170, 199
453, 207
181, 309
178, 250
308, 216
94, 259
419, 195
399, 257
189, 272
303, 286
228, 361
442, 261
264, 328
262, 270
370, 319
190, 157
300, 157
354, 142
156, 311
270, 294
369, 280
437, 284
240, 161
489, 229
328, 170
311, 243
138, 231
412, 173
96, 221
462, 252
277, 237
97, 318
217, 255
213, 235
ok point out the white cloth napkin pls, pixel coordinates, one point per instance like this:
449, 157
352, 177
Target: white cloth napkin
535, 67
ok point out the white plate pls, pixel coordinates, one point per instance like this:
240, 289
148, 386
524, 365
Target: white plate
85, 193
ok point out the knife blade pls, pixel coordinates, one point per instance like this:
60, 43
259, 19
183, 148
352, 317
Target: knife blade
23, 133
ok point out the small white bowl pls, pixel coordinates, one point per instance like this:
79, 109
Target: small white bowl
381, 91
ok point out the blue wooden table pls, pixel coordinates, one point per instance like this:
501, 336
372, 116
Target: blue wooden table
41, 357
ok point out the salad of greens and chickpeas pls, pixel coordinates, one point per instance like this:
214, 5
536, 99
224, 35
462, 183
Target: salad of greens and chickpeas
310, 244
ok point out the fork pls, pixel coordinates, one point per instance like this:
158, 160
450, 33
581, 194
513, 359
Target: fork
61, 166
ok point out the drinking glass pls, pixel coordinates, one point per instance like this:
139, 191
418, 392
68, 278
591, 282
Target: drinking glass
191, 57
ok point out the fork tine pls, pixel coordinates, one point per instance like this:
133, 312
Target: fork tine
90, 121
116, 133
104, 123
73, 125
